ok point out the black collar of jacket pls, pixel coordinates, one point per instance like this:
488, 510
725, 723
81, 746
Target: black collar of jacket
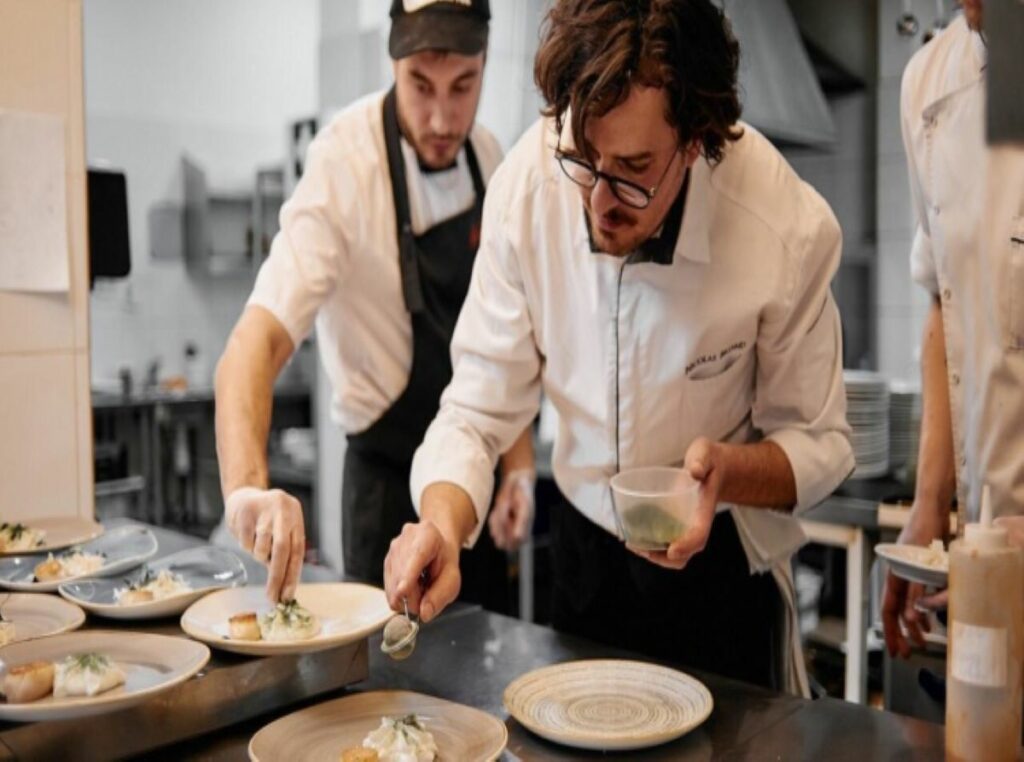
660, 248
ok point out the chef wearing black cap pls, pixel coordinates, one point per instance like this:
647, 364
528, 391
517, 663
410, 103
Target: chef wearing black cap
376, 248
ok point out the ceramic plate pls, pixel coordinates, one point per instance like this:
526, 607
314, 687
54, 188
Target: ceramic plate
61, 532
910, 562
151, 663
608, 705
347, 611
320, 733
36, 616
203, 569
125, 548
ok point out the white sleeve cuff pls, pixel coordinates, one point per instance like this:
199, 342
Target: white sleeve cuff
452, 457
820, 461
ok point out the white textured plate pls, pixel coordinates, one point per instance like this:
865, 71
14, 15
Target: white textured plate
608, 705
203, 569
908, 562
124, 548
320, 733
151, 663
61, 532
347, 612
36, 616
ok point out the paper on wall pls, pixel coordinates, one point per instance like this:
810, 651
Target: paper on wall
33, 203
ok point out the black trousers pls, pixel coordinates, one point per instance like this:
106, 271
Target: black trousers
376, 504
714, 615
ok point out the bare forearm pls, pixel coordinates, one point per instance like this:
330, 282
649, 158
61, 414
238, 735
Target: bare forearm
758, 475
244, 389
520, 456
936, 479
450, 508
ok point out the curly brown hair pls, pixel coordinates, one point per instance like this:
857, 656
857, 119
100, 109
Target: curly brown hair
593, 51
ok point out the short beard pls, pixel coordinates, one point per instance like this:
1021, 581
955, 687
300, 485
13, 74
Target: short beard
410, 137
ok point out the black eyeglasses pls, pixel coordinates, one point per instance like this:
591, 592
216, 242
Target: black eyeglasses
629, 193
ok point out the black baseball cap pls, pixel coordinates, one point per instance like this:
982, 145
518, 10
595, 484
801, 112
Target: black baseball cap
456, 26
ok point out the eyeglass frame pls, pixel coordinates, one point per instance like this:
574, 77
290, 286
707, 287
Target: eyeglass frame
612, 180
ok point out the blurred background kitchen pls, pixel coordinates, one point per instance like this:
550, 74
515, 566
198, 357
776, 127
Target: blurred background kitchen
204, 109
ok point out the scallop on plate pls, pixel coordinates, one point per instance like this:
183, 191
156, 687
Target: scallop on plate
112, 553
327, 615
165, 587
135, 667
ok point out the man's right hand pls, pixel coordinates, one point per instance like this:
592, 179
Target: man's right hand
268, 524
900, 601
422, 567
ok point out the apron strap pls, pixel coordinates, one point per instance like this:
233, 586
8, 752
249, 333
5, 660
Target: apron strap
412, 290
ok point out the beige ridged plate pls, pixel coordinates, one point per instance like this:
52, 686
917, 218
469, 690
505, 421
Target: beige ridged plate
347, 612
61, 532
322, 732
37, 616
608, 705
151, 663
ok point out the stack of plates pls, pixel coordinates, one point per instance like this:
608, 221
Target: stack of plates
904, 424
867, 409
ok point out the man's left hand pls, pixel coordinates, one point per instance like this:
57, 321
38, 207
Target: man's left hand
705, 464
512, 515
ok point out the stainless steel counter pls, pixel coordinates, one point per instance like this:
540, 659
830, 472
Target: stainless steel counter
467, 656
472, 655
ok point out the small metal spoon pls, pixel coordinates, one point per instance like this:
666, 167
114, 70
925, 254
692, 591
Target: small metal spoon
400, 634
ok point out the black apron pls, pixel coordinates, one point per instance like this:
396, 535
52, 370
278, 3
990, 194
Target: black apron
436, 268
714, 615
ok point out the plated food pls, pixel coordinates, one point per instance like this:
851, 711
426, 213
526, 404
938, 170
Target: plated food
385, 726
322, 616
75, 675
399, 739
74, 563
287, 621
928, 566
18, 538
165, 587
46, 534
116, 551
79, 674
151, 587
608, 704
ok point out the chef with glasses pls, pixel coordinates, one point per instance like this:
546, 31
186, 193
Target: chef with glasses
658, 271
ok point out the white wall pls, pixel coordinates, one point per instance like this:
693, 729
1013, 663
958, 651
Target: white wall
218, 81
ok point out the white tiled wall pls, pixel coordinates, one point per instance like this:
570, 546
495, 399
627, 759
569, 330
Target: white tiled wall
218, 81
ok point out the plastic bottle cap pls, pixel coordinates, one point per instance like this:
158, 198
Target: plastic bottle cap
985, 535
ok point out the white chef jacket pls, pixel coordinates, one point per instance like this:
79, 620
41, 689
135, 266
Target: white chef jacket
737, 338
335, 259
968, 251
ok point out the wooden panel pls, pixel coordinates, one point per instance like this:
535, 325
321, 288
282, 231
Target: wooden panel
45, 408
39, 443
42, 73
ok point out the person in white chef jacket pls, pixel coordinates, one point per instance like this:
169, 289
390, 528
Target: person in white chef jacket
376, 246
657, 270
968, 252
